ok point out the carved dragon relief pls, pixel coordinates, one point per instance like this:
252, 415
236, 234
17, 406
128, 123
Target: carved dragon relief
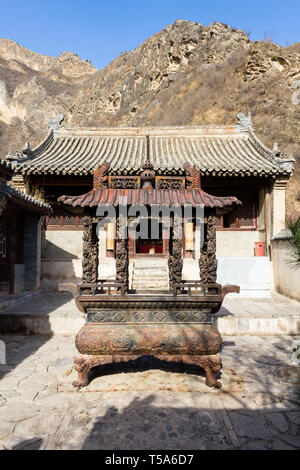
122, 259
175, 261
208, 260
90, 251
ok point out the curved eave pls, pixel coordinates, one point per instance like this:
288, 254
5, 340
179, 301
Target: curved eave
160, 171
24, 201
168, 197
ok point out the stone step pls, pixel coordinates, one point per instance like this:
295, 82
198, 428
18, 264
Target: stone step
151, 271
151, 262
145, 282
141, 290
148, 284
150, 276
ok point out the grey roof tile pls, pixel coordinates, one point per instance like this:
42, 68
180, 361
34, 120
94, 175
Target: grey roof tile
220, 150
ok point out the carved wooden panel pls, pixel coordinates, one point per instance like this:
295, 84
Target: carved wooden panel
169, 182
124, 182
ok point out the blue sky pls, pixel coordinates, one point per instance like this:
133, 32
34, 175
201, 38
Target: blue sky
100, 30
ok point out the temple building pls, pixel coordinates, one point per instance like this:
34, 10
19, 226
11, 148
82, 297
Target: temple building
228, 161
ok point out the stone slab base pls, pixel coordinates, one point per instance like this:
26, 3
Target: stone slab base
257, 325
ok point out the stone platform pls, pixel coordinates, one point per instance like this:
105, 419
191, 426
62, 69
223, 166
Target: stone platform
56, 313
149, 404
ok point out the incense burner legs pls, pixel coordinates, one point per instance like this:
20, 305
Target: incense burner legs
211, 364
196, 344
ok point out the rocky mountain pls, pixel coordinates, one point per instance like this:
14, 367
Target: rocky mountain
185, 74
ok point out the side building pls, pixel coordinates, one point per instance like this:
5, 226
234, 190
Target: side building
21, 219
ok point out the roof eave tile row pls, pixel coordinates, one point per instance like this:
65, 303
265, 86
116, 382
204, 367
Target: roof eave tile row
214, 150
11, 193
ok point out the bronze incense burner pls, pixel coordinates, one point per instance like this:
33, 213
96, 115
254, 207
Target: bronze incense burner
123, 324
174, 326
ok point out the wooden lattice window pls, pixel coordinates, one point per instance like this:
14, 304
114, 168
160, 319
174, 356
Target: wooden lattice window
63, 222
124, 182
169, 182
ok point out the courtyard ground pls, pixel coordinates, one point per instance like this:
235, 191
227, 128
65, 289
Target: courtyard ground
149, 404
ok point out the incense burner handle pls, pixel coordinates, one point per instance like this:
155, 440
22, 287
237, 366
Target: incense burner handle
230, 288
73, 288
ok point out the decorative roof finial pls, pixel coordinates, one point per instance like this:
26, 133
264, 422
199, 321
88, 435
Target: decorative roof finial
54, 124
27, 150
148, 174
276, 150
193, 176
99, 177
244, 122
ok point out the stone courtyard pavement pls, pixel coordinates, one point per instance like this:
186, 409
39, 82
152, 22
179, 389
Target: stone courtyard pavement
148, 404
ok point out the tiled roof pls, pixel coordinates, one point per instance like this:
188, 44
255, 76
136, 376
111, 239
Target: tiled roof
9, 192
169, 197
215, 150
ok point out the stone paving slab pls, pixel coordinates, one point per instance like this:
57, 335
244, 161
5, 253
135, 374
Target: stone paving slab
149, 404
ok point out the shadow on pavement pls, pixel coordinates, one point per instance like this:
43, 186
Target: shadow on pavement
20, 319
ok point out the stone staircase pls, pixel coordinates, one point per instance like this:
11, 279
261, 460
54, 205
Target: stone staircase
150, 274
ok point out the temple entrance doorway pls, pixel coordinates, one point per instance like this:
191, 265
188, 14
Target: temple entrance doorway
150, 247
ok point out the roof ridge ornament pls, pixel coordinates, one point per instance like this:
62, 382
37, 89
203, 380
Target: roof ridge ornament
193, 176
99, 177
27, 150
18, 157
284, 161
147, 165
244, 122
276, 150
148, 174
54, 124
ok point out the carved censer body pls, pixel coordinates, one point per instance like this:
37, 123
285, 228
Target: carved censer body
171, 326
